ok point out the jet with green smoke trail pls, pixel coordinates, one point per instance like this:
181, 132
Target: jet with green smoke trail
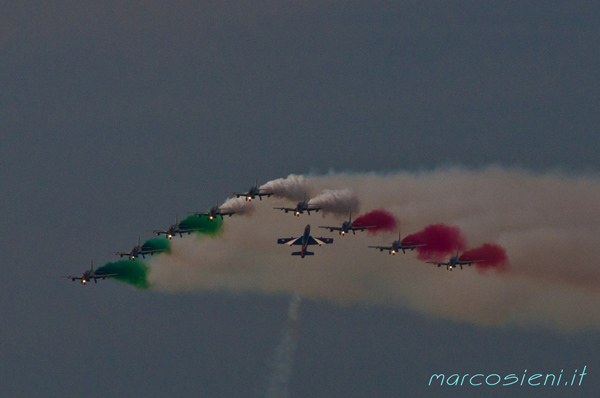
90, 274
142, 250
132, 272
175, 229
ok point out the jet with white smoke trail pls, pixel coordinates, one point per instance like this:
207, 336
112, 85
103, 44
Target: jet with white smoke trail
293, 188
216, 211
253, 192
340, 201
300, 208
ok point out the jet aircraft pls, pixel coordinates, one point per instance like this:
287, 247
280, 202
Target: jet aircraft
454, 262
305, 240
214, 212
397, 246
300, 208
347, 227
138, 250
88, 275
253, 192
176, 229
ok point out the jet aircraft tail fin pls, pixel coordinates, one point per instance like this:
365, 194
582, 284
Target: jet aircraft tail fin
300, 253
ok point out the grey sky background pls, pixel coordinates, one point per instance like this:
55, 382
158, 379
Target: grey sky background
115, 118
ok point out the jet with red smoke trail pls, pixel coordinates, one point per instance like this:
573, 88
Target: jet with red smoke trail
398, 245
300, 208
253, 192
382, 220
454, 262
347, 226
305, 240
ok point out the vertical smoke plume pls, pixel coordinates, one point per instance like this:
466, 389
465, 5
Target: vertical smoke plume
493, 256
440, 240
293, 187
340, 201
239, 205
381, 219
283, 358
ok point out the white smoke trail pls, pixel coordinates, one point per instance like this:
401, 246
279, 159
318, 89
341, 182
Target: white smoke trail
339, 201
283, 358
548, 223
239, 205
294, 187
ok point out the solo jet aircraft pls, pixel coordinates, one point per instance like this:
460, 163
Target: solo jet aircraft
305, 240
300, 208
215, 211
397, 246
347, 227
139, 251
176, 229
88, 275
253, 192
454, 262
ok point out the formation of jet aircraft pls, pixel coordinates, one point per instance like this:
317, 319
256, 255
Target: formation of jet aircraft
454, 262
347, 227
397, 246
88, 275
253, 192
138, 250
215, 211
305, 240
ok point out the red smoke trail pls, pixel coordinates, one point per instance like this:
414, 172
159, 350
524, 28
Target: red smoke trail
493, 256
381, 219
440, 240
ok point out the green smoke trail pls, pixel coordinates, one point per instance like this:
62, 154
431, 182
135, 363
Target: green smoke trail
157, 244
209, 227
134, 272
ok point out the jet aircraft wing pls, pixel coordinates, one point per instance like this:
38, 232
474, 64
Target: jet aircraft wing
437, 262
97, 276
382, 248
362, 228
409, 246
319, 241
331, 229
73, 278
188, 230
285, 208
290, 241
468, 262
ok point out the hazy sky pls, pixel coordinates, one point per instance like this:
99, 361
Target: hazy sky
116, 117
